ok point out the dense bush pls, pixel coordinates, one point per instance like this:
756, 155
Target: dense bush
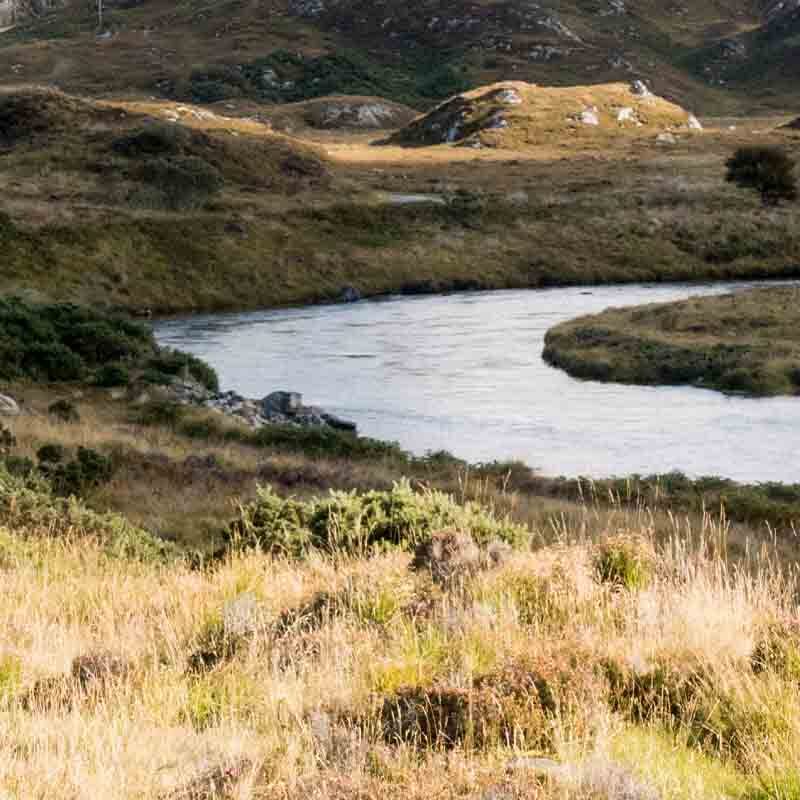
172, 363
64, 410
768, 170
88, 470
64, 342
353, 522
112, 375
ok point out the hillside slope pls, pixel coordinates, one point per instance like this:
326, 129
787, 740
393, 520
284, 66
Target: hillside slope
715, 57
516, 115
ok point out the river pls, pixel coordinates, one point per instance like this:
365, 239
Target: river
464, 373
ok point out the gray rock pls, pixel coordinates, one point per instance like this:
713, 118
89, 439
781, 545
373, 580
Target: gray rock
338, 422
639, 88
240, 616
8, 406
285, 404
350, 295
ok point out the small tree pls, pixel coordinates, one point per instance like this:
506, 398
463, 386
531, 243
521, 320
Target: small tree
768, 170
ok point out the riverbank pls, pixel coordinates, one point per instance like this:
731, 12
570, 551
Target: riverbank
748, 342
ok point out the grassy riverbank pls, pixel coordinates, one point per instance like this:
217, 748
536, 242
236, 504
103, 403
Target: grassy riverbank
746, 342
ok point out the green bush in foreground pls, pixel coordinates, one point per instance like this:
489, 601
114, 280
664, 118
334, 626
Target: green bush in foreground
352, 522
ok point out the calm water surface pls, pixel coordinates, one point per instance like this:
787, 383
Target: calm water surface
464, 373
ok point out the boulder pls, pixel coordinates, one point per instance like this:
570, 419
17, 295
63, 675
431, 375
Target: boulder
338, 423
639, 88
8, 406
350, 295
286, 404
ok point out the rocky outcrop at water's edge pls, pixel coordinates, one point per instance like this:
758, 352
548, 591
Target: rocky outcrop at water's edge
277, 408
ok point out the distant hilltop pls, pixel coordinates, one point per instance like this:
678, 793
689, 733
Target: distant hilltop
516, 114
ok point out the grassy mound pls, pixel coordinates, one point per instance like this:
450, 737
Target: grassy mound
36, 112
515, 115
747, 342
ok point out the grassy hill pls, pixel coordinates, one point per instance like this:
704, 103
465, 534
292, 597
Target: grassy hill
173, 207
719, 57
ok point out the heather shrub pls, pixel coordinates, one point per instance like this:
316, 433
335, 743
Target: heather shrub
357, 522
624, 563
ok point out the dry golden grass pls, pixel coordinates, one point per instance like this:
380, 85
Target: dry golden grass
299, 705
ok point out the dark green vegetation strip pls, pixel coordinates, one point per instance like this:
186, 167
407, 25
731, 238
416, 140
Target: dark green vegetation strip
747, 342
290, 77
65, 342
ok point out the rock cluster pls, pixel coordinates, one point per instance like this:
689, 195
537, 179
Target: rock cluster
277, 408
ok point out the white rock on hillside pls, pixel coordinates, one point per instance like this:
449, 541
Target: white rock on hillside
590, 116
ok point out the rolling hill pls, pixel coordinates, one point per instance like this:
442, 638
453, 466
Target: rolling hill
724, 56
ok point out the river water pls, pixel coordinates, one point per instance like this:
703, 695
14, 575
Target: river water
464, 373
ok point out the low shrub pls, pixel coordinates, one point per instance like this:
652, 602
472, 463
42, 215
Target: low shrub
112, 375
160, 412
767, 170
213, 646
624, 563
723, 716
7, 440
50, 455
521, 705
29, 508
778, 651
272, 523
353, 522
155, 139
173, 363
88, 470
324, 441
19, 466
64, 411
